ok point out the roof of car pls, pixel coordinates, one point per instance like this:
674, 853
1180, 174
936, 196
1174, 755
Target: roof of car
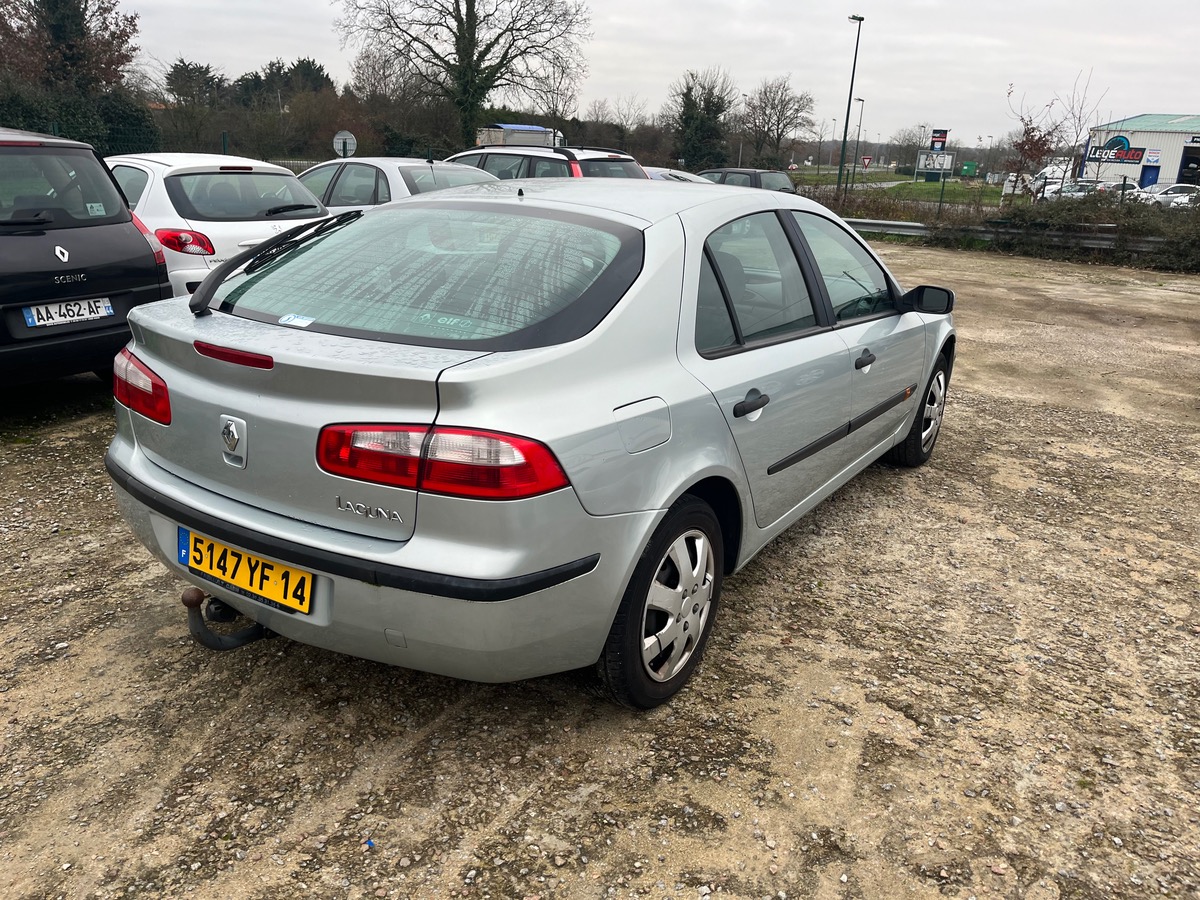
737, 169
396, 161
569, 151
197, 161
646, 200
17, 135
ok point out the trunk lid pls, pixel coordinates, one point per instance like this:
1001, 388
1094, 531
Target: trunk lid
269, 461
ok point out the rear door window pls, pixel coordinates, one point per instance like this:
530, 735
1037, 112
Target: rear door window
317, 180
761, 278
133, 182
549, 168
503, 166
776, 181
355, 186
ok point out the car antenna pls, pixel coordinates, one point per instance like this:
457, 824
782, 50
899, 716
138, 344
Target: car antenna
520, 192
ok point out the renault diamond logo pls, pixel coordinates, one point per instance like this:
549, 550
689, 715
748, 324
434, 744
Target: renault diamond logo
62, 254
230, 435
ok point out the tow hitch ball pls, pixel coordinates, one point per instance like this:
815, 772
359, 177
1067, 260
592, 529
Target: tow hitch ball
193, 599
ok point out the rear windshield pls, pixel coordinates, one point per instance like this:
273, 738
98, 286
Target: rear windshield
56, 187
611, 168
776, 181
434, 178
241, 196
448, 276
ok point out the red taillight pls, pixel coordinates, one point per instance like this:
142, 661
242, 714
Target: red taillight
468, 463
180, 240
237, 357
576, 169
153, 241
459, 462
384, 454
137, 386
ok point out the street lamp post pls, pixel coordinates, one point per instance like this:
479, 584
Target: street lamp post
742, 130
862, 104
988, 165
857, 20
920, 144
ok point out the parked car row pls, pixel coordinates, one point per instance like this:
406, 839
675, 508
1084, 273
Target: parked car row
1165, 195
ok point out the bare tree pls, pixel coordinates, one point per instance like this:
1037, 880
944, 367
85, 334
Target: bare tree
465, 50
598, 111
630, 112
1079, 113
556, 96
773, 112
1038, 136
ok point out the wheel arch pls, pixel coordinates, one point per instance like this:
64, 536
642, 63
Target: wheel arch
722, 497
947, 350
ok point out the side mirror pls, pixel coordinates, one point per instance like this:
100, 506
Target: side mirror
937, 301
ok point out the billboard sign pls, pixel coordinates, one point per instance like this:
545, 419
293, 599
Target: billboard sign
937, 139
1117, 150
929, 161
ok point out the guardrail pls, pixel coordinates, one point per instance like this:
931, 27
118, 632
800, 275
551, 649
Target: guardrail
1098, 237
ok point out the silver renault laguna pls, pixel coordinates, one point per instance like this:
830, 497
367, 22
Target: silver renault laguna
518, 428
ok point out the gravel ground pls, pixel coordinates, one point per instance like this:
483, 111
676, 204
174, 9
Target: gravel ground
980, 678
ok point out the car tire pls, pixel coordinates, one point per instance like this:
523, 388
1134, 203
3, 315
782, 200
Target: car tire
672, 595
917, 446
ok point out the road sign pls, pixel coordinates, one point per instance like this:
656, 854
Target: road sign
867, 161
344, 144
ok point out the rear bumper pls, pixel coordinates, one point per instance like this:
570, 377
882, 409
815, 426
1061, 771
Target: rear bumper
505, 628
54, 356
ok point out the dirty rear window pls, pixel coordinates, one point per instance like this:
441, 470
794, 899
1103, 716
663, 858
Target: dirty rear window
462, 276
56, 187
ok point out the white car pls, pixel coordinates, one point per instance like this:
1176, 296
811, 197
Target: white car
360, 183
1167, 194
1186, 201
205, 208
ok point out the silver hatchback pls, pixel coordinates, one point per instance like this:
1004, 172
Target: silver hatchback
512, 429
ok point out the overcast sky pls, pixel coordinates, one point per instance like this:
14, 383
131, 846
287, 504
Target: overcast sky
940, 63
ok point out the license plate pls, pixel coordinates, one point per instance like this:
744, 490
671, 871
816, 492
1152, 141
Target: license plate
266, 581
67, 311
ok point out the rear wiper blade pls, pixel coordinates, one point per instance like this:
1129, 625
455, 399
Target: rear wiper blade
30, 220
261, 254
290, 207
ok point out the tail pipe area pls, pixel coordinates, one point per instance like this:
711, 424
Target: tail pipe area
193, 599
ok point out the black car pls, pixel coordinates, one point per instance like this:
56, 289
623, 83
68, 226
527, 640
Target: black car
767, 179
73, 259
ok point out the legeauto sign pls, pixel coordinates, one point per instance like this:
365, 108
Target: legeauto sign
1117, 150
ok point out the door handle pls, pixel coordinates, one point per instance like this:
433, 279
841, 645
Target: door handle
754, 401
865, 360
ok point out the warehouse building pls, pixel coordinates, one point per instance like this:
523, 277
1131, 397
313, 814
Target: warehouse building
1147, 149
